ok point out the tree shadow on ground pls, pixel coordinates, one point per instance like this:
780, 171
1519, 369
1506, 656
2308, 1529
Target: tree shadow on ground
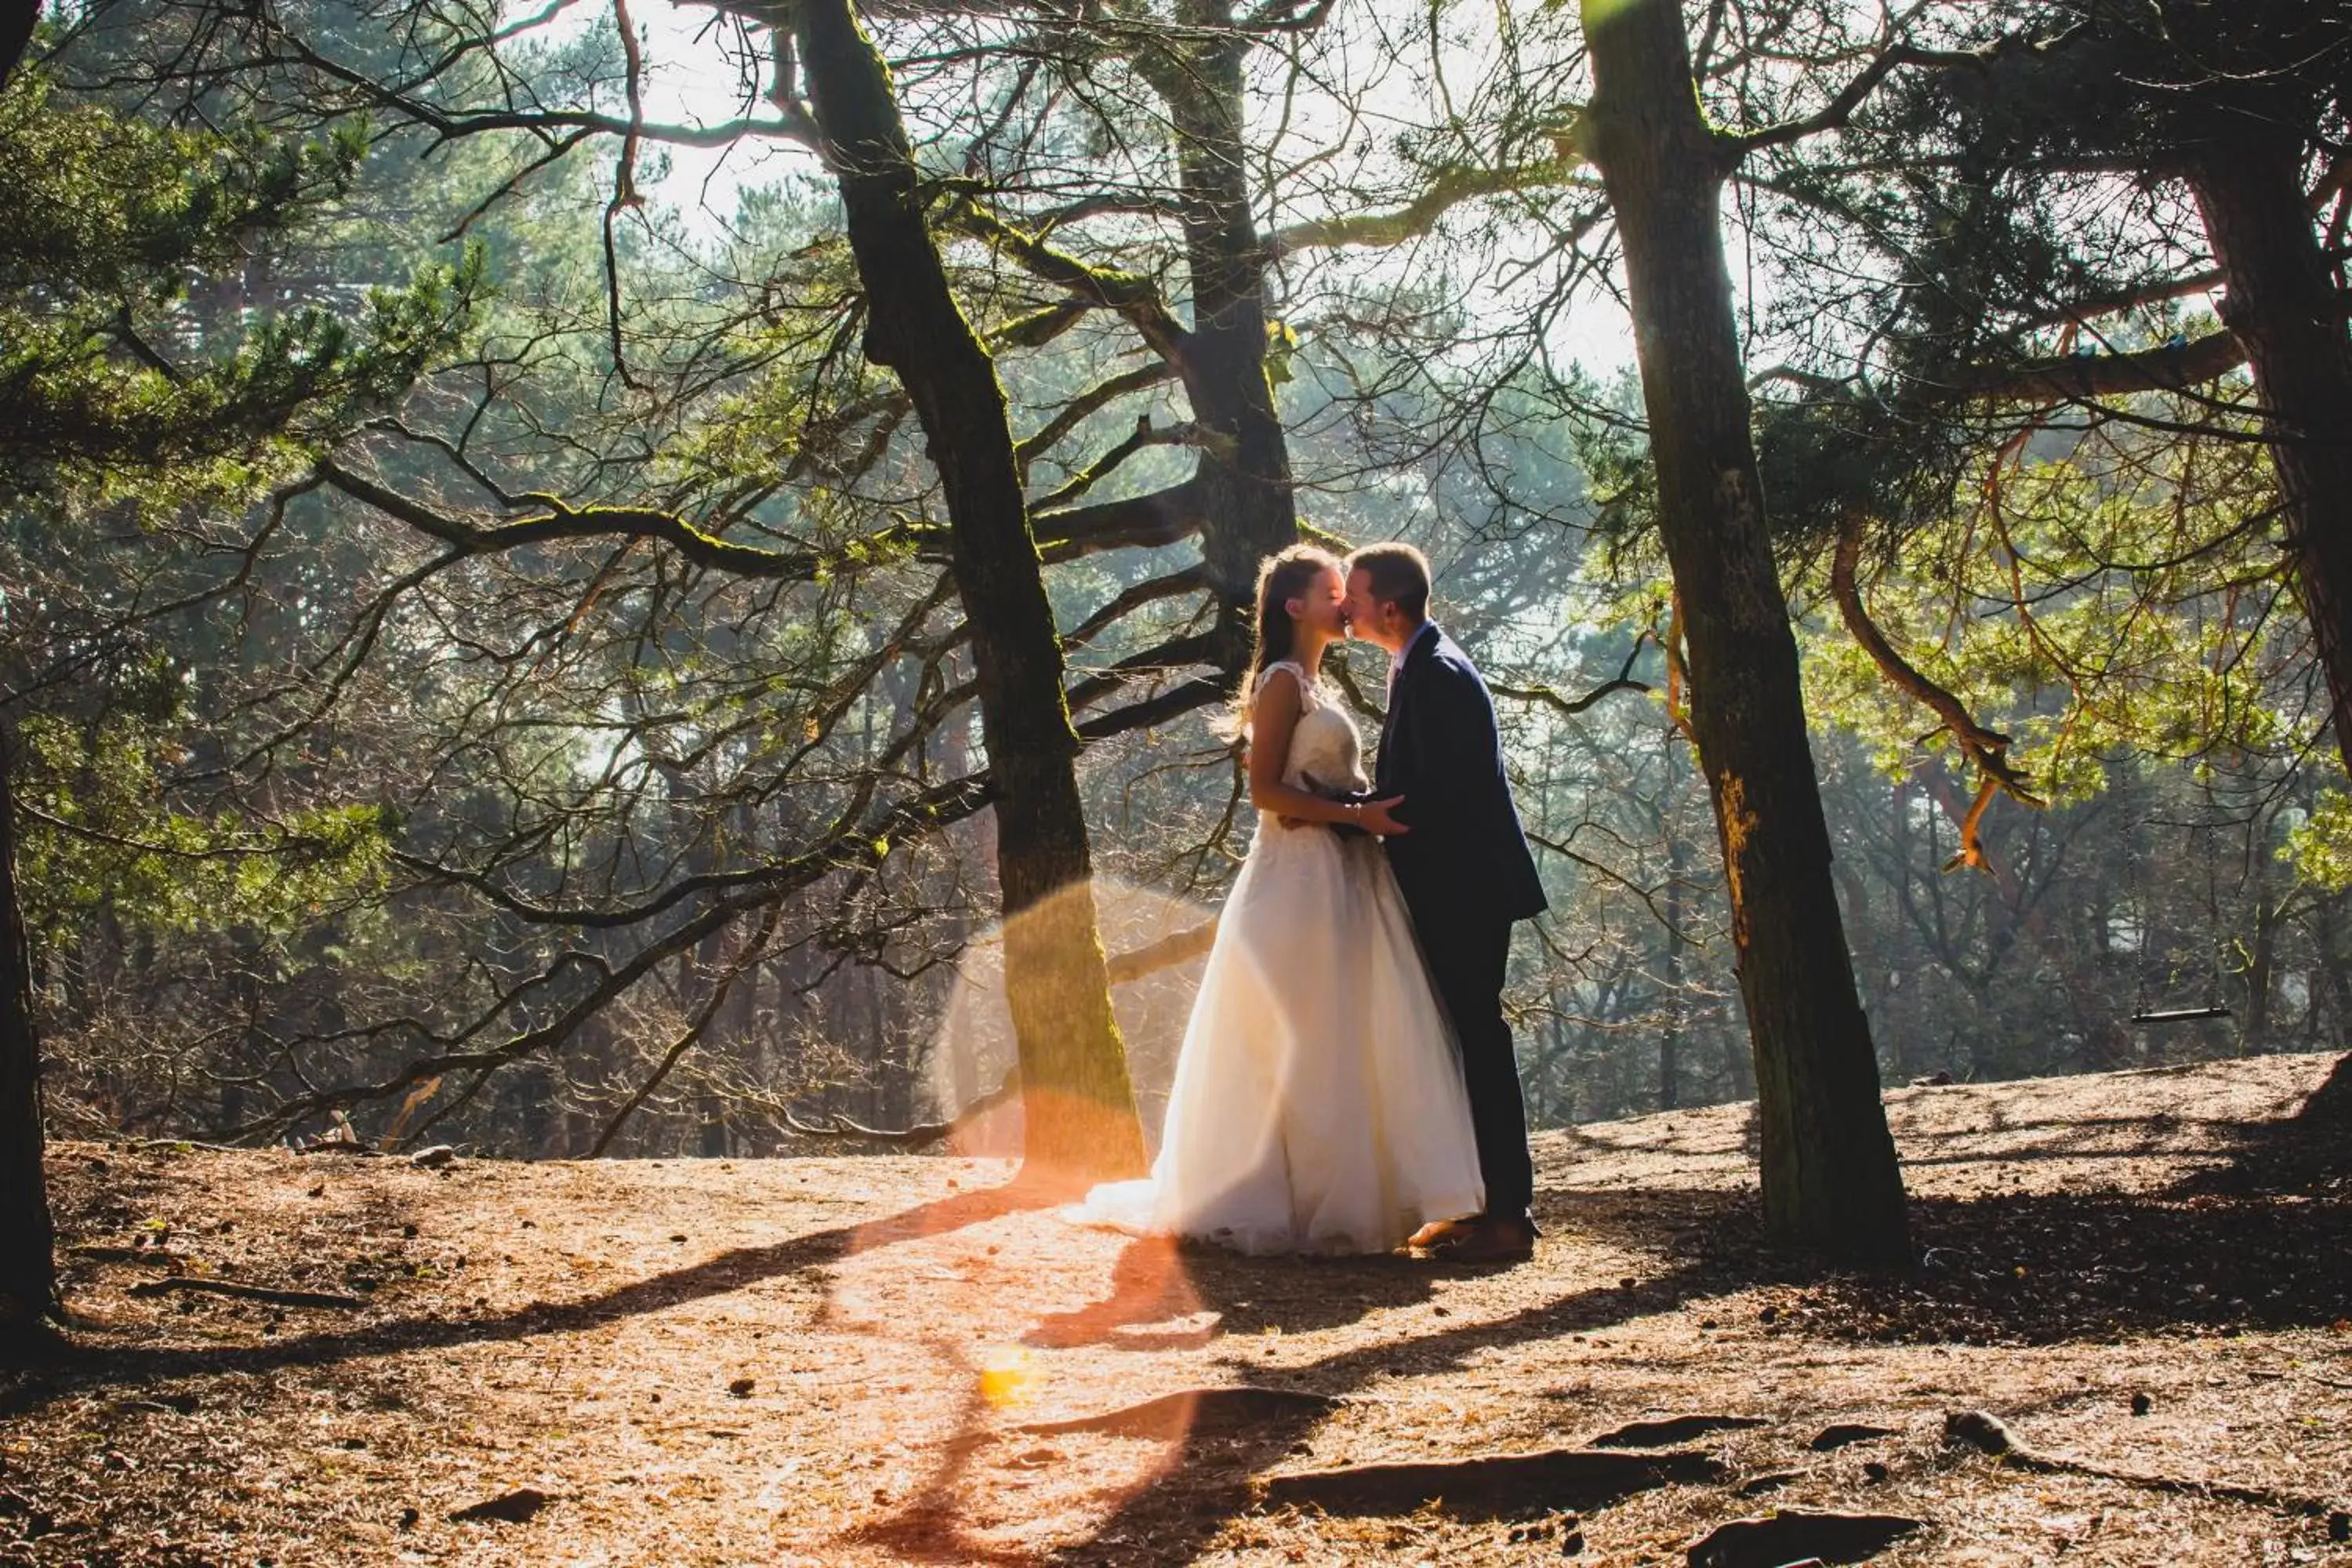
2259, 1236
1216, 1460
86, 1365
2307, 1154
1217, 1475
2263, 1240
2157, 1135
1154, 1282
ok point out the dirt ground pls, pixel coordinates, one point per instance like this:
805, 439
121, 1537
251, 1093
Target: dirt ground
865, 1360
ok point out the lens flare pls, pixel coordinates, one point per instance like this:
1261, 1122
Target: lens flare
991, 1312
1008, 1375
1155, 935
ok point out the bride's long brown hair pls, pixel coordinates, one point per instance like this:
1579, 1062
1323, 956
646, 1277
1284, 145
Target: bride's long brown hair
1281, 578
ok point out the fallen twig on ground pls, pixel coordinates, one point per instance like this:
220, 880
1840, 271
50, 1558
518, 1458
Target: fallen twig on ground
1990, 1434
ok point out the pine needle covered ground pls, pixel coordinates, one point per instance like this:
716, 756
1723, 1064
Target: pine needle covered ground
2145, 1276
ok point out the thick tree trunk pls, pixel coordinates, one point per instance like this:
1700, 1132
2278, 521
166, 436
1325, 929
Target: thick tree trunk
28, 1282
1830, 1178
1245, 461
1670, 1035
2283, 308
1078, 1105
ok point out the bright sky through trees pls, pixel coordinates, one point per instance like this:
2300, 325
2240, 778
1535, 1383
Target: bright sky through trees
1325, 137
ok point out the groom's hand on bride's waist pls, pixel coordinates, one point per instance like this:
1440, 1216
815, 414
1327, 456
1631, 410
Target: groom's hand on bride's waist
1372, 816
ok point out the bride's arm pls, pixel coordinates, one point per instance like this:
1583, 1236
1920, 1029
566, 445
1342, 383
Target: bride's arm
1272, 717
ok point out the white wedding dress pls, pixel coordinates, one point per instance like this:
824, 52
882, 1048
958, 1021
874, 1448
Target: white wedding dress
1319, 1104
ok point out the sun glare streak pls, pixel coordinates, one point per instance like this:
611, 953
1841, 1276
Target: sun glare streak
1001, 1341
972, 1053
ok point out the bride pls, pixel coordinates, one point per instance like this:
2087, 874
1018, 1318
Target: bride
1318, 1103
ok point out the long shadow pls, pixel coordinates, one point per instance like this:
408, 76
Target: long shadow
1214, 1471
2216, 1250
2260, 1238
84, 1367
1153, 1282
2306, 1154
2158, 1139
2053, 1267
1216, 1476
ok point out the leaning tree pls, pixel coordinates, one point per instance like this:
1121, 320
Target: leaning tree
1829, 1175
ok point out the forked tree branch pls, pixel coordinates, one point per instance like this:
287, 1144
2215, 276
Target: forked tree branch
917, 1136
1985, 746
1448, 189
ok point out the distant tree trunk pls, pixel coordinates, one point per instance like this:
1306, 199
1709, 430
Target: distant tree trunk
1829, 1177
536, 1112
2283, 306
1670, 1037
1078, 1105
2261, 972
2333, 964
1247, 498
28, 1280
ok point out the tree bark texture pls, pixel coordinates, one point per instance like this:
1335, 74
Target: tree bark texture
1078, 1102
29, 1288
2283, 306
1245, 470
1830, 1178
1670, 1033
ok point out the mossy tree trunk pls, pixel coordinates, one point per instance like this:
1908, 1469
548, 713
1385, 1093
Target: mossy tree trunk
1078, 1102
1831, 1182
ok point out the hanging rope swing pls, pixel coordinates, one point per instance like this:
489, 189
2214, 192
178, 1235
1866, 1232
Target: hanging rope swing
2143, 1013
2146, 1015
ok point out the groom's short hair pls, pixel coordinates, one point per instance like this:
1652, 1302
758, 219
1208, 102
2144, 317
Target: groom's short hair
1399, 574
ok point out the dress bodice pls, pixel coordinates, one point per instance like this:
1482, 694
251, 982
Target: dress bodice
1327, 753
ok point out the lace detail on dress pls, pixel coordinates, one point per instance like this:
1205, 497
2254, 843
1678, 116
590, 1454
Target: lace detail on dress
1310, 691
1327, 754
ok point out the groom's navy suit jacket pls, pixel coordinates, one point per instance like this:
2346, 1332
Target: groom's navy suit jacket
1466, 857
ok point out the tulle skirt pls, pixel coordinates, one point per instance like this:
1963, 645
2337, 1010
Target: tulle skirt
1319, 1104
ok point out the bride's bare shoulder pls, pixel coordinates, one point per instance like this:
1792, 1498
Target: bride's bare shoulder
1298, 681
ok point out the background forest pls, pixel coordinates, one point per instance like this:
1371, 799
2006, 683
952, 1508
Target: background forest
482, 642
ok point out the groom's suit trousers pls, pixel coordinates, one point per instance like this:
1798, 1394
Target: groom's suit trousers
1467, 958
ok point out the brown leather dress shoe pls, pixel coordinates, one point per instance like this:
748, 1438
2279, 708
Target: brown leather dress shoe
1496, 1239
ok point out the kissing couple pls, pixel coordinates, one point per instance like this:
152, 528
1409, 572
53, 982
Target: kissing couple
1346, 1083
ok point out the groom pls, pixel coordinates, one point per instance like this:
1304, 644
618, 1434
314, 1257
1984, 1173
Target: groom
1465, 870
